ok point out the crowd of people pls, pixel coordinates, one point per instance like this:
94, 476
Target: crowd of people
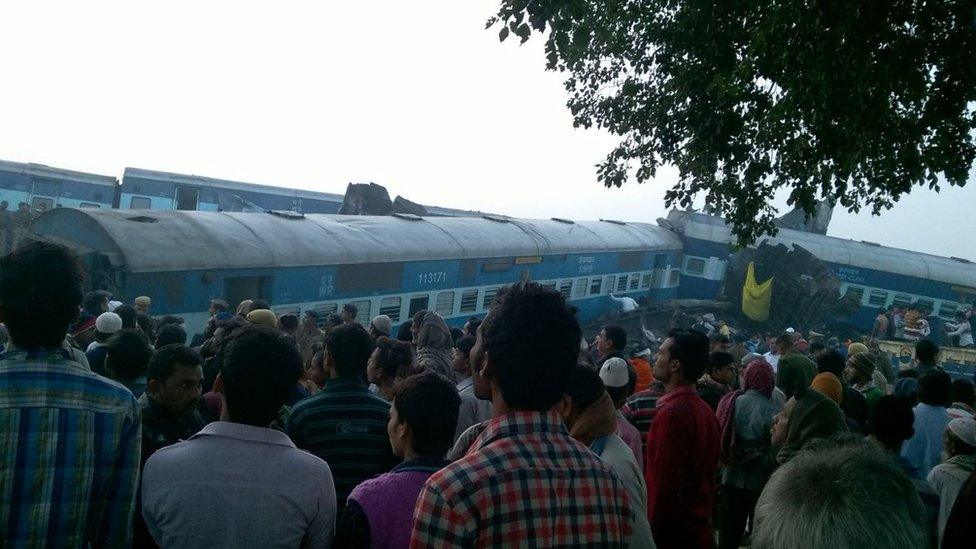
274, 430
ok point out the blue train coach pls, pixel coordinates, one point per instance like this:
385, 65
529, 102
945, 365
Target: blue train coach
391, 265
44, 188
877, 276
153, 190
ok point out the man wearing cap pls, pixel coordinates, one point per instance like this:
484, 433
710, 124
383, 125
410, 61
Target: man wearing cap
589, 414
959, 462
106, 325
263, 316
142, 304
380, 326
349, 312
620, 379
859, 372
309, 334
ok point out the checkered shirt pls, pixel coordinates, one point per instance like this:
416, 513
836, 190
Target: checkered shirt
69, 451
524, 483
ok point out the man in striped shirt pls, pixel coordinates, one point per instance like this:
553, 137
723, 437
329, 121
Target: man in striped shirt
345, 424
70, 445
640, 408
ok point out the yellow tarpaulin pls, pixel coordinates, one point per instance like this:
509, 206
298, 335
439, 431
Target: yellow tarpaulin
756, 297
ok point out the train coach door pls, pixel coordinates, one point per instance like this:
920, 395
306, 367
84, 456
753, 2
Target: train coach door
187, 198
418, 303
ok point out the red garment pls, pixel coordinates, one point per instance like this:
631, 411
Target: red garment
643, 370
679, 466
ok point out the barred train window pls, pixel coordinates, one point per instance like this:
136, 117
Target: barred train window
565, 288
469, 301
579, 288
695, 265
596, 285
390, 306
444, 305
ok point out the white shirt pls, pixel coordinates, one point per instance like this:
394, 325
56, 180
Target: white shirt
773, 360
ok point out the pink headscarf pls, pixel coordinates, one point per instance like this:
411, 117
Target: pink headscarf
759, 376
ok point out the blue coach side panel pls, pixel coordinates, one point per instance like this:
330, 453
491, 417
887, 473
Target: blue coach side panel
154, 190
45, 188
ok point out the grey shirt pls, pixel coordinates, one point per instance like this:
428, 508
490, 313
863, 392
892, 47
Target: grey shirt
753, 420
233, 485
472, 410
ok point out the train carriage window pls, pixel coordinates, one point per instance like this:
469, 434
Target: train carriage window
657, 278
645, 281
139, 203
363, 309
609, 282
41, 203
566, 288
925, 303
469, 301
90, 205
856, 291
418, 303
675, 278
622, 284
324, 310
947, 310
695, 265
551, 284
444, 305
877, 298
390, 306
596, 285
489, 298
902, 300
579, 288
634, 282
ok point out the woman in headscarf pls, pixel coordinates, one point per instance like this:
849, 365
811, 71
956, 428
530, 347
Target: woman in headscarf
807, 416
745, 417
435, 346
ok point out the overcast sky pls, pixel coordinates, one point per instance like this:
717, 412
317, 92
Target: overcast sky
416, 96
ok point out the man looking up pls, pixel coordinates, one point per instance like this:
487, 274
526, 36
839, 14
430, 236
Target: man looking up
71, 442
239, 482
610, 342
526, 349
682, 447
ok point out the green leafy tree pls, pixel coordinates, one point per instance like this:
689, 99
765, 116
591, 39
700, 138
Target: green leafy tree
856, 102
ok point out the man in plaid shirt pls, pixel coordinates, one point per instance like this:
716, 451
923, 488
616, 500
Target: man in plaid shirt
71, 438
525, 481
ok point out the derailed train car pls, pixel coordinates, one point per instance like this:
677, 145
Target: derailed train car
392, 265
876, 276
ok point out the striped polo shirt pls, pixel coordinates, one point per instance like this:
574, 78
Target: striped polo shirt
345, 425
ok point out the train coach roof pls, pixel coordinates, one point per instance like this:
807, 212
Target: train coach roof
156, 241
840, 251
